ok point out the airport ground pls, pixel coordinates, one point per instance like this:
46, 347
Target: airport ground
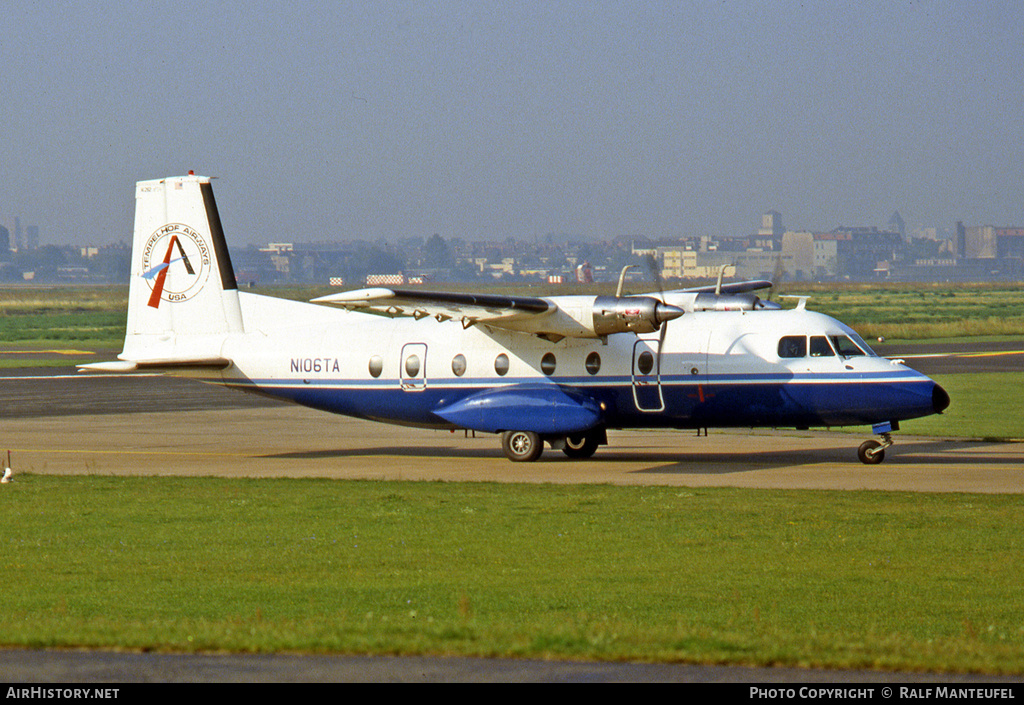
289, 441
57, 421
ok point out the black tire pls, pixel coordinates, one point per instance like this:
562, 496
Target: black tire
871, 458
521, 446
581, 445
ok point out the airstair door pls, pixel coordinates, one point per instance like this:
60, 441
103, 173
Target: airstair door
413, 367
646, 375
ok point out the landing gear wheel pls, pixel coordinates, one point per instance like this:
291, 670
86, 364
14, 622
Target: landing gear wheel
521, 446
582, 445
871, 452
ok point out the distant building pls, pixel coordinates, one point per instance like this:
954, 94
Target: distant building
771, 227
856, 252
989, 249
896, 224
798, 252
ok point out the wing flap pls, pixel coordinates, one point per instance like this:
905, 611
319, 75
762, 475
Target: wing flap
491, 309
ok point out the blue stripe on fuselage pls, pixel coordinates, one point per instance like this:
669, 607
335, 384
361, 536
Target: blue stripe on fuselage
723, 401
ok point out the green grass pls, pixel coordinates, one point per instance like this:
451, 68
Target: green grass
921, 311
853, 579
80, 316
981, 406
96, 315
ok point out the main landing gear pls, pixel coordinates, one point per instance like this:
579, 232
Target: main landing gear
522, 446
873, 452
526, 446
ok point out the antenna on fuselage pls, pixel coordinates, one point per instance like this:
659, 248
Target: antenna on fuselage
721, 275
622, 281
801, 303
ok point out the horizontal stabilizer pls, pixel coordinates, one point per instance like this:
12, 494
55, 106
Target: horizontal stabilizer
130, 366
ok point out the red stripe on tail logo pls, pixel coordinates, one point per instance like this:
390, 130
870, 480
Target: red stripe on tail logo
175, 263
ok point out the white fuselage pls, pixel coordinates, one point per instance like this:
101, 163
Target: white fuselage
715, 368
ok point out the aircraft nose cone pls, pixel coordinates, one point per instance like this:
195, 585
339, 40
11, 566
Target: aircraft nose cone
940, 399
667, 312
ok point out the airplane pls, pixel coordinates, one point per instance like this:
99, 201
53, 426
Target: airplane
555, 370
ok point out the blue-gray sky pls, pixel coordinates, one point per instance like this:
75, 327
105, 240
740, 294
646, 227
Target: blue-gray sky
327, 120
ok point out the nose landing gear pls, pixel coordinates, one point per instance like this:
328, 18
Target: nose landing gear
873, 452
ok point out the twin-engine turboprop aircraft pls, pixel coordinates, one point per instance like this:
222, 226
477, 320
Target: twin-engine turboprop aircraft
561, 369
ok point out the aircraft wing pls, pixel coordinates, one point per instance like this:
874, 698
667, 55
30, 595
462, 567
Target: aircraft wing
553, 318
470, 309
730, 288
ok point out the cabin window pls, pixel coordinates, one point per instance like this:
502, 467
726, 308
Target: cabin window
501, 364
846, 347
412, 365
548, 364
793, 346
645, 362
376, 366
459, 365
593, 363
820, 347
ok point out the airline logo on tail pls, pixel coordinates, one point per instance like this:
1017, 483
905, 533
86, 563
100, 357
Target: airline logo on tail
175, 263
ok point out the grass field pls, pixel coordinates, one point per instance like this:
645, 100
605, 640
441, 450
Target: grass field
852, 579
96, 315
45, 316
979, 408
905, 581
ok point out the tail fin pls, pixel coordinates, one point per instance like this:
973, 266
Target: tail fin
182, 298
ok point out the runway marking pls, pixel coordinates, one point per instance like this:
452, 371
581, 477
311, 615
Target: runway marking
81, 375
81, 451
993, 353
275, 454
47, 352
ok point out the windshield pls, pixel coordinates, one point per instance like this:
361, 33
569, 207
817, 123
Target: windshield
863, 346
852, 345
846, 347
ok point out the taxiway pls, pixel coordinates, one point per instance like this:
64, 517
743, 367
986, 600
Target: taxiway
59, 422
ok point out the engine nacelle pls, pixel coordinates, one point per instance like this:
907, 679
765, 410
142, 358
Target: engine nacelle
731, 302
631, 314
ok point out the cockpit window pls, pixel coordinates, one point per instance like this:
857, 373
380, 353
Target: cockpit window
793, 346
862, 345
846, 347
820, 347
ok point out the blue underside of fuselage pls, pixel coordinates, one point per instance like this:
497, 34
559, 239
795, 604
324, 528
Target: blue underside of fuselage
728, 403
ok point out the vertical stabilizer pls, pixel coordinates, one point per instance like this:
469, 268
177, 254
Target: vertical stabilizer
183, 297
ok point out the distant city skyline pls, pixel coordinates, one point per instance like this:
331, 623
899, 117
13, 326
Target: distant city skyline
483, 120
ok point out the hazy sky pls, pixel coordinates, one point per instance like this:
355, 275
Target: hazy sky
331, 119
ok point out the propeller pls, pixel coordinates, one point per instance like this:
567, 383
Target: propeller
777, 275
652, 266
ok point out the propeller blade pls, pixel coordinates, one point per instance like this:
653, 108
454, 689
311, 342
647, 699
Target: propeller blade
664, 312
652, 267
777, 276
